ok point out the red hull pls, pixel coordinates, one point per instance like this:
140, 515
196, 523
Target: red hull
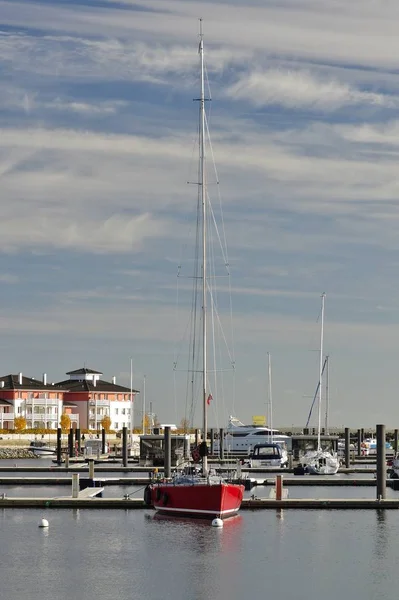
201, 500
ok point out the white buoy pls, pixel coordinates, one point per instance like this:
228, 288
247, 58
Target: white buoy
217, 523
43, 523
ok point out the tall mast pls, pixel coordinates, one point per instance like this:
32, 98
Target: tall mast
144, 415
202, 183
321, 368
327, 363
270, 411
131, 403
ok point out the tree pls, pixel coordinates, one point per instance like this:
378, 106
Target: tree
19, 424
106, 423
184, 425
65, 422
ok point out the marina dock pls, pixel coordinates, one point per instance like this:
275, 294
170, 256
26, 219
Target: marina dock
247, 504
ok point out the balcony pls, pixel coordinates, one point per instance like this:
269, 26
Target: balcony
99, 402
6, 417
37, 416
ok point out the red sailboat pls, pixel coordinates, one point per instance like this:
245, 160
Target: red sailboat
192, 494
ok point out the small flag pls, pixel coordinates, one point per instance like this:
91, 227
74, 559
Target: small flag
208, 400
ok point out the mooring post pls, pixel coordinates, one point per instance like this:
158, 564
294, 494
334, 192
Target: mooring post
381, 463
167, 454
347, 447
71, 450
359, 442
362, 431
395, 441
78, 440
67, 460
212, 442
279, 487
91, 470
59, 435
196, 437
124, 446
290, 460
221, 444
103, 441
75, 485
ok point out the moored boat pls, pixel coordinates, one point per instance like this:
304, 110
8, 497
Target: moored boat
191, 494
320, 461
196, 496
268, 455
41, 448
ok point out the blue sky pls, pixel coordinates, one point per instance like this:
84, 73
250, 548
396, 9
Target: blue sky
97, 128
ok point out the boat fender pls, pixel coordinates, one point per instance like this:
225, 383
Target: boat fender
158, 494
165, 499
147, 495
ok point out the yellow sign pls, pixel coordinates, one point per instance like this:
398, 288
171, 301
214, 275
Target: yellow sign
259, 420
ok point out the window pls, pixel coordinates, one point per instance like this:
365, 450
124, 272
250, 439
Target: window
116, 425
123, 411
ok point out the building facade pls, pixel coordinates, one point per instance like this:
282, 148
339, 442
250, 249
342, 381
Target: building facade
40, 402
94, 398
85, 397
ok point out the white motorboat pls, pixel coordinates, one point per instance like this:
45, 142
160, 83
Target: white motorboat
41, 448
268, 455
240, 438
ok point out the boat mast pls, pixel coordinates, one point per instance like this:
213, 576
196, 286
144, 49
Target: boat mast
131, 403
202, 184
321, 368
327, 364
270, 411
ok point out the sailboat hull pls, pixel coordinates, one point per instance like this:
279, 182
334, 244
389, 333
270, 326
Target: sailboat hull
320, 463
197, 500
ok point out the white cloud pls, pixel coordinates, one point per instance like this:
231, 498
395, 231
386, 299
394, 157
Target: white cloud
299, 89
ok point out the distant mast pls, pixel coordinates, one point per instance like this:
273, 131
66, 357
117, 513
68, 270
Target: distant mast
323, 296
269, 423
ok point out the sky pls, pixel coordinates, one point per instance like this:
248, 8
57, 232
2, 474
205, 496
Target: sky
97, 144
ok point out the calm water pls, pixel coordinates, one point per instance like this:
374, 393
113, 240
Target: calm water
98, 555
123, 555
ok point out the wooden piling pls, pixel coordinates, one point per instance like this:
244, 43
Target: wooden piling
381, 463
395, 441
71, 449
347, 447
78, 440
167, 453
279, 487
59, 435
359, 442
124, 446
75, 485
103, 441
212, 442
221, 444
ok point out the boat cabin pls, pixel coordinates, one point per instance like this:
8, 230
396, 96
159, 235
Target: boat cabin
269, 455
267, 451
93, 447
152, 449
